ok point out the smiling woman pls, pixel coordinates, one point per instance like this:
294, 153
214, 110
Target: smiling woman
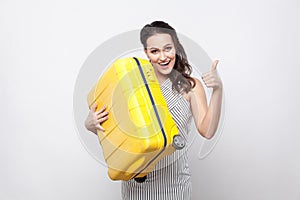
161, 45
161, 53
186, 99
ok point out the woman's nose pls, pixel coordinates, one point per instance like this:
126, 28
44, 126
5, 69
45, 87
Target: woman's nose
162, 55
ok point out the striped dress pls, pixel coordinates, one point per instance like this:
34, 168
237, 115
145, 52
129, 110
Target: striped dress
171, 178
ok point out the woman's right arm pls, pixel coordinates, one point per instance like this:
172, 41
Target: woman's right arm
95, 118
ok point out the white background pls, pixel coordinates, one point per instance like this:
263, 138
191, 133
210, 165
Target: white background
44, 43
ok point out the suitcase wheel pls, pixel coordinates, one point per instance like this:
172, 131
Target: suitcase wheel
178, 142
141, 179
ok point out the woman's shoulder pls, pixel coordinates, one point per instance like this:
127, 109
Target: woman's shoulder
197, 81
197, 86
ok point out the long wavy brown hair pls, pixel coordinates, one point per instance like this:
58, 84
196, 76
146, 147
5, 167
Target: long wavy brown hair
180, 75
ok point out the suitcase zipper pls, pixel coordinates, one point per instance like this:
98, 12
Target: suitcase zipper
156, 113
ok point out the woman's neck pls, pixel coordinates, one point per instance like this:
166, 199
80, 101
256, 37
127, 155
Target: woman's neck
161, 78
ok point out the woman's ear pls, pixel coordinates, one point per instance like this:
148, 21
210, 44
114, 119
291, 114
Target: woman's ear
145, 50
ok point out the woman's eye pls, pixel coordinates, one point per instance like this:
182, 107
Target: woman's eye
168, 48
154, 51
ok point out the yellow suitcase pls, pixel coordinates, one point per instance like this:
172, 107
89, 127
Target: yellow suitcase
139, 130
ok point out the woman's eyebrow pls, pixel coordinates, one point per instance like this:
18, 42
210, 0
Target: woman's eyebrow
167, 45
152, 48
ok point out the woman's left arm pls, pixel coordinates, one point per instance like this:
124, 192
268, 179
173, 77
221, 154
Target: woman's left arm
207, 117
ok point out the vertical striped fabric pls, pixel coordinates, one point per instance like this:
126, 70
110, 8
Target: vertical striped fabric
171, 178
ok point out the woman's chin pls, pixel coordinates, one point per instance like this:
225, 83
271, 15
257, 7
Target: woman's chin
165, 71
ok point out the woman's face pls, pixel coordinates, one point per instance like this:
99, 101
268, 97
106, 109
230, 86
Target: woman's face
161, 52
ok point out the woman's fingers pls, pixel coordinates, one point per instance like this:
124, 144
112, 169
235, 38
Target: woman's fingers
211, 79
208, 77
211, 84
102, 115
99, 127
101, 110
214, 65
95, 118
94, 107
100, 120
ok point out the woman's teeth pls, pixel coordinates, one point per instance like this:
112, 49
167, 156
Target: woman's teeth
164, 64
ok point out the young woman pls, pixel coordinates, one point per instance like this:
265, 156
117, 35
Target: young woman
186, 99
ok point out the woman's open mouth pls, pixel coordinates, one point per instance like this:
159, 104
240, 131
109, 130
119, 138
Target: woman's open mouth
164, 64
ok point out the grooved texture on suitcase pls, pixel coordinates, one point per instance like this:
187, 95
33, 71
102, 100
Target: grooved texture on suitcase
133, 140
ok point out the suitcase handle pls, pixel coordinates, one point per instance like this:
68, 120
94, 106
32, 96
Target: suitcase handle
141, 179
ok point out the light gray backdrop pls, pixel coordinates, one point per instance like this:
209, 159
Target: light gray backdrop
44, 44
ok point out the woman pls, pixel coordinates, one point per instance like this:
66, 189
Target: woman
186, 99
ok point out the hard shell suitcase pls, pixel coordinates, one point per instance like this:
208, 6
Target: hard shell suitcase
139, 130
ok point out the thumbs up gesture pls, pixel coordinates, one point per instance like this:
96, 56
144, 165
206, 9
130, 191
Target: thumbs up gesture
211, 78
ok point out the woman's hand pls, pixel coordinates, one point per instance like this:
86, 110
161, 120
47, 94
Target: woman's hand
211, 79
95, 118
